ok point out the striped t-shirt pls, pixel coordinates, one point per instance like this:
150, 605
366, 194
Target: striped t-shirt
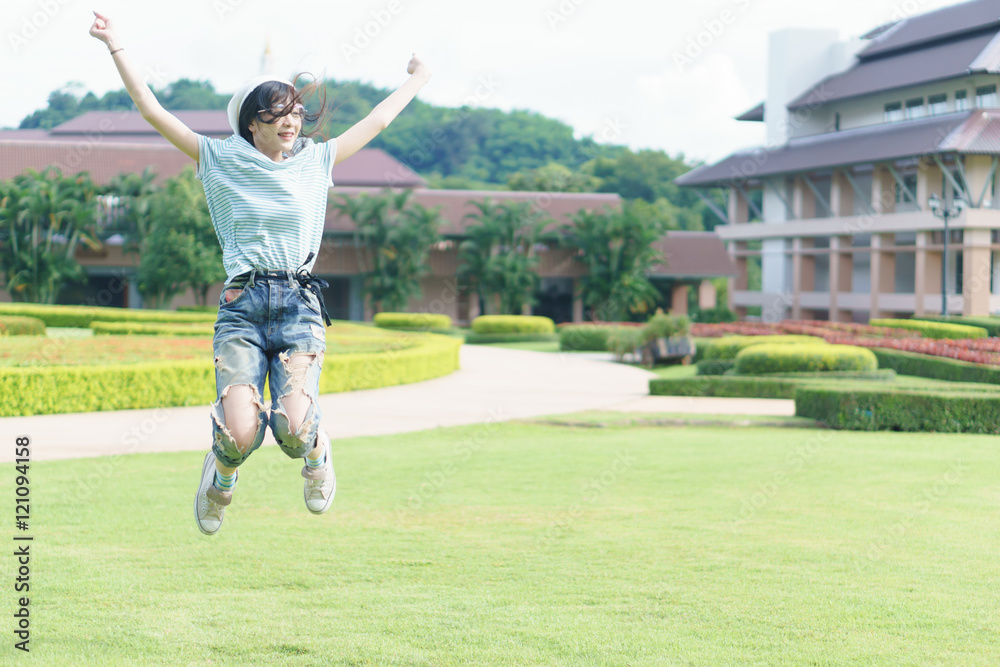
268, 215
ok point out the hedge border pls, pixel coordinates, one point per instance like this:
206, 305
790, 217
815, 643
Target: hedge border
21, 325
929, 329
504, 324
937, 368
65, 389
473, 338
82, 316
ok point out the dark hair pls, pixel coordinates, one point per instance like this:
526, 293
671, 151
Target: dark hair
270, 93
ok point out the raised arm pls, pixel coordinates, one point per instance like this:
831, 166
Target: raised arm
354, 139
166, 123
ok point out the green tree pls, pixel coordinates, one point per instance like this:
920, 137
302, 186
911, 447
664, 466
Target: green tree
616, 247
44, 218
397, 236
498, 259
181, 249
553, 177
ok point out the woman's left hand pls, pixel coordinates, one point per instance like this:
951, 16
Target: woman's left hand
417, 65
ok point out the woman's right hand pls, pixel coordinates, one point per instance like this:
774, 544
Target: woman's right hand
104, 30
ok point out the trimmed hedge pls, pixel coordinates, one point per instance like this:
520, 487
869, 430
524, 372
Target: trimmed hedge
991, 324
412, 321
879, 375
198, 309
473, 338
62, 389
728, 347
584, 337
723, 386
506, 324
945, 412
803, 358
932, 329
938, 368
17, 325
153, 329
82, 316
714, 366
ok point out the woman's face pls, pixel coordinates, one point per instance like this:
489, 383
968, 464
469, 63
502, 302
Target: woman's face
274, 134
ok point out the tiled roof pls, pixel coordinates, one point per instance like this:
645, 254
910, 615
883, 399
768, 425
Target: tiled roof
110, 123
756, 114
935, 62
456, 204
936, 25
693, 255
927, 136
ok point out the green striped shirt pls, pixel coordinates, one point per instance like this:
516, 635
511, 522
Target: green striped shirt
267, 215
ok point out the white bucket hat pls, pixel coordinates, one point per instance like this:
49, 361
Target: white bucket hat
247, 87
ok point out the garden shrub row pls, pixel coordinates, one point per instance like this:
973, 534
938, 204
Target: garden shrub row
893, 410
723, 386
728, 347
18, 325
506, 324
584, 337
413, 321
932, 329
991, 324
62, 389
473, 338
784, 358
82, 316
152, 329
938, 368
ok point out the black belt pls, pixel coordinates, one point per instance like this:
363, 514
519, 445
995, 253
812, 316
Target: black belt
307, 280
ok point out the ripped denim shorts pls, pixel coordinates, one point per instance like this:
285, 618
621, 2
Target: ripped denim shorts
269, 326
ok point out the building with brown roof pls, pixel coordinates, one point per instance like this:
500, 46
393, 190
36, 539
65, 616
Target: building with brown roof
108, 143
861, 137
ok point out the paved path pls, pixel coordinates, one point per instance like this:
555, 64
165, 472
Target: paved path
493, 384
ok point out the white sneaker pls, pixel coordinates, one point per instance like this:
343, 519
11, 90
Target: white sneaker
210, 503
321, 483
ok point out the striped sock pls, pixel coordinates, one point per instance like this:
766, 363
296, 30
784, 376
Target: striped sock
225, 482
318, 463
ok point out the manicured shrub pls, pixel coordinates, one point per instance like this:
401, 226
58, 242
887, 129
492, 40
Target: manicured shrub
728, 347
894, 410
62, 389
82, 316
17, 325
198, 309
723, 386
879, 375
473, 338
785, 358
991, 324
494, 324
939, 368
714, 366
584, 337
152, 329
412, 321
933, 329
663, 325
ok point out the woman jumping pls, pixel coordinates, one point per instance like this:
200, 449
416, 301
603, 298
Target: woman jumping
267, 188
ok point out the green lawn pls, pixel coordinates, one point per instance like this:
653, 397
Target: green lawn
529, 544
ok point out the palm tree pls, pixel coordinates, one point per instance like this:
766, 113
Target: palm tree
616, 247
45, 217
499, 256
396, 235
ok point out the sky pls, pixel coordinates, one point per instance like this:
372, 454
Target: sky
660, 74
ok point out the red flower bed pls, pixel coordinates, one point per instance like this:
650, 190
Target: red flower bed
976, 351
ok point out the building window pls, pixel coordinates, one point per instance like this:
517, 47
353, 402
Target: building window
910, 181
937, 104
986, 97
915, 108
961, 100
893, 112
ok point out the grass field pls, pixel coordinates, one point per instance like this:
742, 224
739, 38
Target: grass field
530, 544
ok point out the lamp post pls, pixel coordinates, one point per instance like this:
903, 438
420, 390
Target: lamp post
945, 211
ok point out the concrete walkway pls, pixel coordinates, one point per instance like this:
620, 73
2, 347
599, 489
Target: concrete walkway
493, 384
